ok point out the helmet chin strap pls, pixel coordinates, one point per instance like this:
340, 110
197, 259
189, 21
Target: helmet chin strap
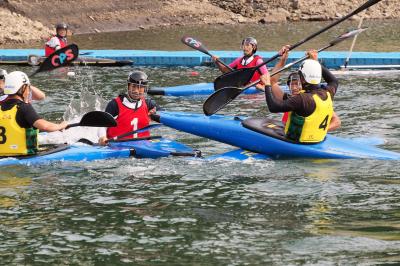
130, 99
133, 101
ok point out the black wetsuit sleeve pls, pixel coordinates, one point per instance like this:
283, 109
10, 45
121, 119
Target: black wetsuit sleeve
276, 105
112, 108
152, 104
26, 116
331, 80
285, 96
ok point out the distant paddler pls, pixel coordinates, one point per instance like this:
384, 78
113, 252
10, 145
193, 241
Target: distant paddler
19, 121
57, 41
37, 94
248, 60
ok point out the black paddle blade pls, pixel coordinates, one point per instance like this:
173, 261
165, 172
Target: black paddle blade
237, 78
219, 99
59, 58
97, 119
195, 44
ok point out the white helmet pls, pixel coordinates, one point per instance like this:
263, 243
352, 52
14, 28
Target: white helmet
14, 81
311, 71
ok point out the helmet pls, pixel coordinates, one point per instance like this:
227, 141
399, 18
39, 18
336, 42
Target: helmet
3, 73
293, 76
138, 77
252, 41
311, 71
61, 25
14, 81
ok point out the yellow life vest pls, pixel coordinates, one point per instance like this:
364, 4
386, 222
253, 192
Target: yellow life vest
313, 128
15, 140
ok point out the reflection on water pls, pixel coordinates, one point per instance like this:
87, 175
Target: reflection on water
12, 188
177, 211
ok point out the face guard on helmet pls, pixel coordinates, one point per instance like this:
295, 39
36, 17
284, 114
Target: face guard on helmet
250, 40
311, 72
137, 85
294, 83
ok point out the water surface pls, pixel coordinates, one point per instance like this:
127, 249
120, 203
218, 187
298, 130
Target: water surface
185, 212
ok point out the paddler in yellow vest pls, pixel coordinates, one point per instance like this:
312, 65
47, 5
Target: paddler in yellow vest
310, 112
19, 122
294, 84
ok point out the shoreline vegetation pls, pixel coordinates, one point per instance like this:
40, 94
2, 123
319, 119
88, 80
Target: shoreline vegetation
24, 22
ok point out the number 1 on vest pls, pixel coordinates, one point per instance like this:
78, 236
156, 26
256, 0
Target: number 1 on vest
134, 123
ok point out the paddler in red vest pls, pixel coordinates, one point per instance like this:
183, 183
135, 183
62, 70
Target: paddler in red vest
57, 41
249, 59
37, 94
131, 110
310, 112
294, 84
19, 121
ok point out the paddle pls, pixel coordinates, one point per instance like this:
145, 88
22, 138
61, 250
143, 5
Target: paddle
134, 132
241, 77
222, 97
346, 62
197, 45
114, 139
59, 58
95, 119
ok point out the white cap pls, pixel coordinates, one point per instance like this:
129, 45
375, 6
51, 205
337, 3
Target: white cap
311, 71
14, 82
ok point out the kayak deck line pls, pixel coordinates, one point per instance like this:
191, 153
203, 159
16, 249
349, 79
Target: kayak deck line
331, 59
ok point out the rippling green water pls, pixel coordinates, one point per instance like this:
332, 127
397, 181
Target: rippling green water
190, 212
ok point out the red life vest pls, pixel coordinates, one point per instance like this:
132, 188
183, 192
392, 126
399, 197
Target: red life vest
49, 50
129, 120
253, 63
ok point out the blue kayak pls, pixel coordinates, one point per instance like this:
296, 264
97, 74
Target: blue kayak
191, 90
256, 136
151, 148
239, 155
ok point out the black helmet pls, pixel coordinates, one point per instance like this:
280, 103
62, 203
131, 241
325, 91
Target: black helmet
138, 77
252, 41
291, 77
61, 25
